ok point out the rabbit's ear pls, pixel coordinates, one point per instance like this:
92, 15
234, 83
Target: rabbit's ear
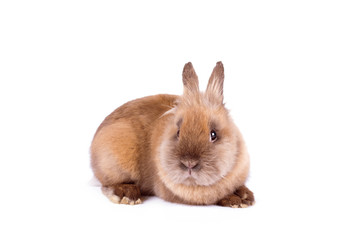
190, 80
214, 90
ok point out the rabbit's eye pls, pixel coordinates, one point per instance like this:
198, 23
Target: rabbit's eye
213, 136
178, 133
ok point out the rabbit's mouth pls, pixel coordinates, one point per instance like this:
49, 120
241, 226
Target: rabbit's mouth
190, 181
195, 176
190, 170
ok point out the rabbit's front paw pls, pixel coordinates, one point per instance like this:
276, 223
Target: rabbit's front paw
241, 198
123, 194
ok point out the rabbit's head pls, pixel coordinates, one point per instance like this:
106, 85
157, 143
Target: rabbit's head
200, 144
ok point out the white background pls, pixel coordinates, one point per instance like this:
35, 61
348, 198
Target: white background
292, 74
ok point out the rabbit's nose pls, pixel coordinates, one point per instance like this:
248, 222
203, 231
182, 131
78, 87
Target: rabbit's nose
190, 164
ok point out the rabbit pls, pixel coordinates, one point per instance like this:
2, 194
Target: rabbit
184, 149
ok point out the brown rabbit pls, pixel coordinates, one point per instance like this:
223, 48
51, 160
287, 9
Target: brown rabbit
183, 149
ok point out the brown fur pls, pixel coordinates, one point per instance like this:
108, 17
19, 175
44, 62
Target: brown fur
161, 144
241, 198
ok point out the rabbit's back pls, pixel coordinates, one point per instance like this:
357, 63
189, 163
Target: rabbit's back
120, 147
